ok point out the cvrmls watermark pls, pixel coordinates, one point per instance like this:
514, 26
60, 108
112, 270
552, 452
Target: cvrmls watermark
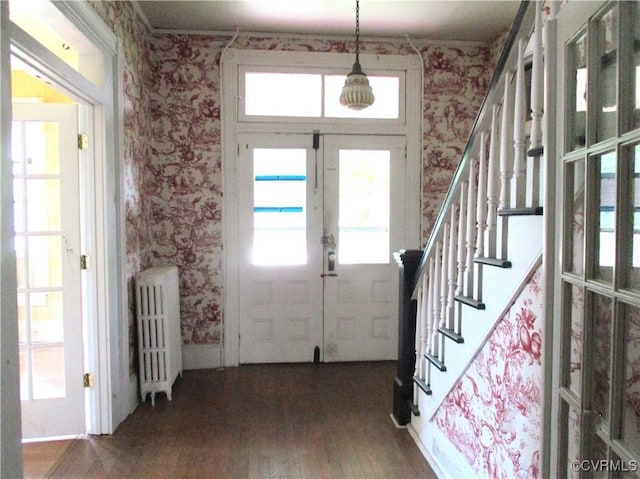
605, 465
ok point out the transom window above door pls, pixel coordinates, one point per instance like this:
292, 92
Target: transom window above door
268, 93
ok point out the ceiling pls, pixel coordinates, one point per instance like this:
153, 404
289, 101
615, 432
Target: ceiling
436, 20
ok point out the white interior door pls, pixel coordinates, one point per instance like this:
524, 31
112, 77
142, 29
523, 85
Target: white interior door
47, 241
364, 215
317, 231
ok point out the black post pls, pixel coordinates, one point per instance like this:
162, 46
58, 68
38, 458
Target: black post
408, 262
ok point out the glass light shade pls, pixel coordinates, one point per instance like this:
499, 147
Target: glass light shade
357, 93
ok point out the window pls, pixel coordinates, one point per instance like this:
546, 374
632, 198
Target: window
364, 204
280, 206
304, 93
42, 20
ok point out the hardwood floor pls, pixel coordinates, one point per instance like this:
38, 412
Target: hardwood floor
260, 421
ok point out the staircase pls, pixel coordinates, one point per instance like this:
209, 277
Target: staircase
488, 237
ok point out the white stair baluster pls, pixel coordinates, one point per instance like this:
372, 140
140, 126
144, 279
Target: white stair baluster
470, 230
506, 145
518, 181
435, 302
537, 85
481, 202
451, 266
424, 329
481, 214
506, 162
431, 332
492, 186
418, 335
444, 274
461, 250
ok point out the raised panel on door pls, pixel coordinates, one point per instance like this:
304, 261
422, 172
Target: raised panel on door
364, 215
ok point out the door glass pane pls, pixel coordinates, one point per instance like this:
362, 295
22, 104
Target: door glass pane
48, 372
21, 261
18, 205
601, 317
631, 391
45, 261
605, 244
283, 94
22, 317
607, 84
385, 106
17, 147
577, 104
575, 305
42, 150
46, 317
575, 177
634, 271
280, 206
364, 202
25, 378
43, 205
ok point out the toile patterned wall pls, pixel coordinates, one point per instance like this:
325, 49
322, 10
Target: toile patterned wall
172, 159
493, 414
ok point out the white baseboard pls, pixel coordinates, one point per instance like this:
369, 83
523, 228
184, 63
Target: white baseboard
202, 356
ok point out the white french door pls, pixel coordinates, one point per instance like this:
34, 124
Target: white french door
47, 242
317, 231
598, 280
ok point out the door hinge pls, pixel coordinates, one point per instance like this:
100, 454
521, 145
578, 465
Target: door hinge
87, 380
84, 262
83, 142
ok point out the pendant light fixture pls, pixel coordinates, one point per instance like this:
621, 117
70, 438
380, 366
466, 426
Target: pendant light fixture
357, 93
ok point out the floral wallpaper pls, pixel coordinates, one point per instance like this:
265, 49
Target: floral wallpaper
172, 158
493, 414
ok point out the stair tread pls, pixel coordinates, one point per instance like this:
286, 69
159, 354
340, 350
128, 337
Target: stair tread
435, 361
535, 152
534, 211
422, 385
469, 301
497, 262
451, 334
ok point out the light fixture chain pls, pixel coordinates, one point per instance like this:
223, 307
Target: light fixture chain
357, 28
